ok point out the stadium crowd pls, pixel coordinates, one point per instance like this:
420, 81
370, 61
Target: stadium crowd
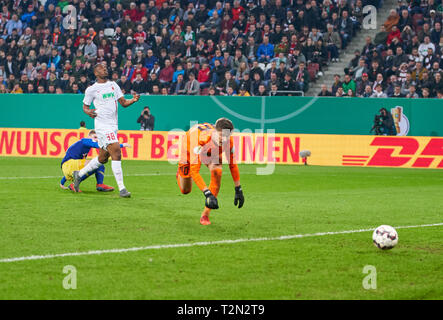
188, 47
402, 61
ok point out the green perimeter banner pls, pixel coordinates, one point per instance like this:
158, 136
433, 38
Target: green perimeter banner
312, 115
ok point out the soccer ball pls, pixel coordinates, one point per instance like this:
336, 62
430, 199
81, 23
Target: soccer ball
385, 237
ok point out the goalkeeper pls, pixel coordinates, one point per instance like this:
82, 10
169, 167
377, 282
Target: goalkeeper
206, 143
75, 159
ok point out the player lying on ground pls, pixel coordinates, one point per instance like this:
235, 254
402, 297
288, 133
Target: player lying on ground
75, 159
105, 95
206, 143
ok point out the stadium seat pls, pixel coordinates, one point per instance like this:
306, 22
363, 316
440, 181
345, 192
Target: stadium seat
314, 66
312, 70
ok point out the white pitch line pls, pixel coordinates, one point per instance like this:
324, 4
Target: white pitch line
206, 243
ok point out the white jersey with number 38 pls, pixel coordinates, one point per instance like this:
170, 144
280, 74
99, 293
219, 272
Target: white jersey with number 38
104, 96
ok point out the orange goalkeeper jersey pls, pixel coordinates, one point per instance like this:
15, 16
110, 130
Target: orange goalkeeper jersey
197, 148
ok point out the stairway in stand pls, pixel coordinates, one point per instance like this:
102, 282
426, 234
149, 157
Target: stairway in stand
357, 43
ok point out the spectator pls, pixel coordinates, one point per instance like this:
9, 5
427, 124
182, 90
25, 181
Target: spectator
150, 59
380, 39
256, 83
345, 28
368, 92
54, 59
301, 77
417, 73
246, 82
436, 33
11, 66
204, 76
325, 92
437, 85
358, 71
429, 59
230, 92
391, 85
265, 51
337, 84
212, 91
273, 80
140, 69
407, 83
288, 85
262, 90
192, 87
379, 80
13, 25
243, 92
412, 92
297, 57
349, 93
333, 42
166, 73
378, 92
155, 89
425, 82
223, 85
340, 93
227, 61
179, 86
393, 20
124, 84
425, 93
179, 70
133, 13
394, 34
427, 44
256, 68
139, 85
397, 91
349, 84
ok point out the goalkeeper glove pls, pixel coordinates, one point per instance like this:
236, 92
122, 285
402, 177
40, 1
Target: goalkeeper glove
210, 201
239, 198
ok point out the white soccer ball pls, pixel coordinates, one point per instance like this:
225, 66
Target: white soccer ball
385, 237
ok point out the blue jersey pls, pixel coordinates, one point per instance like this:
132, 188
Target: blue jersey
79, 150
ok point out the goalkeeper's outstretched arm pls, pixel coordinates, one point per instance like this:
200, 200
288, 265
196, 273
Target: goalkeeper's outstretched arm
239, 199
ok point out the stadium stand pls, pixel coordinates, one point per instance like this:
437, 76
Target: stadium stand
235, 47
402, 58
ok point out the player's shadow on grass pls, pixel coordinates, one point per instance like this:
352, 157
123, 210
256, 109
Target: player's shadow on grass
94, 193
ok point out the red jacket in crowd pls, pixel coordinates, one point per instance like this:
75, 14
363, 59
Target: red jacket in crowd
203, 75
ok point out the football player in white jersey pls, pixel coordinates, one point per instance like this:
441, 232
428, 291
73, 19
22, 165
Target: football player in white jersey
105, 95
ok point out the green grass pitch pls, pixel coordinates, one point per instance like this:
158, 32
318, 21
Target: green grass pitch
38, 218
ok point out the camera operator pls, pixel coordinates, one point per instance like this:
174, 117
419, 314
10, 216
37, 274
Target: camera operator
388, 125
377, 127
146, 120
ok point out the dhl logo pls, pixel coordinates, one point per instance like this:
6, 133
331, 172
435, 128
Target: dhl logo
400, 152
